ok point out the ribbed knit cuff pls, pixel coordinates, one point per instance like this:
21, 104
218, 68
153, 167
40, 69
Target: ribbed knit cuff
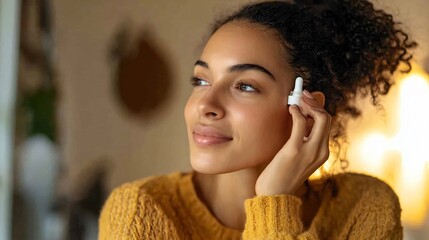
270, 216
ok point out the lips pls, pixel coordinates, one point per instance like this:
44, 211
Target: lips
205, 136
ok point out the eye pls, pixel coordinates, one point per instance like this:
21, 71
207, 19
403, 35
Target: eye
246, 87
196, 82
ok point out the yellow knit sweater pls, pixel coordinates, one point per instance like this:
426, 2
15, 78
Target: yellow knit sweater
167, 207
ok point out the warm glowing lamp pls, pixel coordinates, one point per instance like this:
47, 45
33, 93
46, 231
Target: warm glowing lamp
400, 157
409, 144
412, 142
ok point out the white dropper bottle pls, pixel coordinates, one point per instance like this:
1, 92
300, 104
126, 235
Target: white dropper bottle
296, 94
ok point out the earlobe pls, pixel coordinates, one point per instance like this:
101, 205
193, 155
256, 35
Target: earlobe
320, 97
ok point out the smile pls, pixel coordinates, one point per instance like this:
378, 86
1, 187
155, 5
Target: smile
205, 136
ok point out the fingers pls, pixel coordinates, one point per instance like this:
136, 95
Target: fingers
298, 126
298, 158
310, 119
318, 139
322, 120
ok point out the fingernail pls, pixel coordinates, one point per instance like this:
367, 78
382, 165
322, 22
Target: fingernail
308, 94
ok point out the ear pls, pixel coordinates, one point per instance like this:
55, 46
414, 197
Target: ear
320, 97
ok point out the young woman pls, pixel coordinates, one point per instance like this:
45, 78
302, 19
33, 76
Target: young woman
252, 153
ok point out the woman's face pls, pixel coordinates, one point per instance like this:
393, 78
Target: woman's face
236, 116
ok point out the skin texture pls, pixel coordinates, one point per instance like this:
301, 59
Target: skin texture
258, 122
259, 149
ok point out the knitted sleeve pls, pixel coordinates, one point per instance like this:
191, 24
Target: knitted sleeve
377, 215
274, 217
131, 214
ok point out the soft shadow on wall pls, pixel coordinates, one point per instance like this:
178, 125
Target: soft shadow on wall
45, 205
141, 80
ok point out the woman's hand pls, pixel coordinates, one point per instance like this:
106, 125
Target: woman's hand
302, 154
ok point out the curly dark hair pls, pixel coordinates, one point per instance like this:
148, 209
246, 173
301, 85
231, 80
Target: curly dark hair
343, 48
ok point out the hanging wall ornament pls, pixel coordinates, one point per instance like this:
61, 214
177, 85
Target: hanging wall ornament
142, 78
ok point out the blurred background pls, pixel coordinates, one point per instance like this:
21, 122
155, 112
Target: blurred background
92, 93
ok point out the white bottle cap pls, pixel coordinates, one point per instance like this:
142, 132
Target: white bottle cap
296, 94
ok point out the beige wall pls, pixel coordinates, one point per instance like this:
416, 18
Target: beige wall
93, 124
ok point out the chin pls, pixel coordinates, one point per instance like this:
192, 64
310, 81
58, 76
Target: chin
205, 166
216, 165
210, 165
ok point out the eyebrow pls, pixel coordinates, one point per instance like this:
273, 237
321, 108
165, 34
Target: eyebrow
240, 68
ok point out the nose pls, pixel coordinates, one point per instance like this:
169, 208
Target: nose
210, 105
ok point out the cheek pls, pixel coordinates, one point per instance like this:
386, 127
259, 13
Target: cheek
264, 130
189, 110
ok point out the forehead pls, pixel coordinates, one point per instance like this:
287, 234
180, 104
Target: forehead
239, 42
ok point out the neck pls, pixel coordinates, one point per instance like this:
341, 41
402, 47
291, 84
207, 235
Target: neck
224, 194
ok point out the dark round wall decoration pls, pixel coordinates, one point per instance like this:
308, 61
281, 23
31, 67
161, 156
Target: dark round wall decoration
143, 78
